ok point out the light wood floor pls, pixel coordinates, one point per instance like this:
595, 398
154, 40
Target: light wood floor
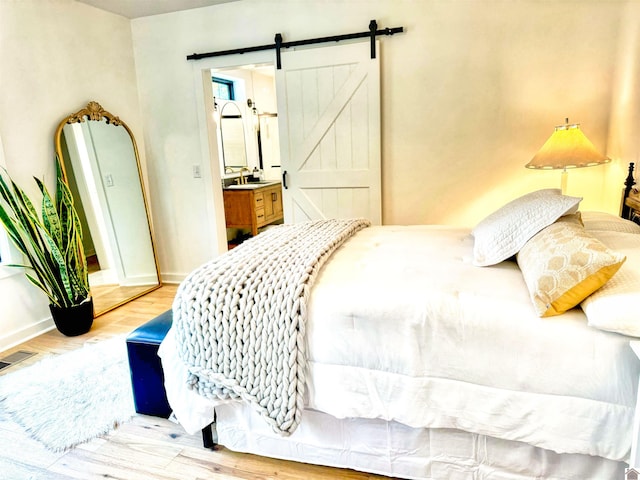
146, 447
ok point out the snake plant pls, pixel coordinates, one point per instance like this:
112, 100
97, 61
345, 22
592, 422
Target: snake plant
50, 241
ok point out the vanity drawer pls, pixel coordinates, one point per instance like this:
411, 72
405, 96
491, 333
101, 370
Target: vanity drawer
260, 217
258, 200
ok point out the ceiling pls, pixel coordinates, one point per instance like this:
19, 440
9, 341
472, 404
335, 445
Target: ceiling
145, 8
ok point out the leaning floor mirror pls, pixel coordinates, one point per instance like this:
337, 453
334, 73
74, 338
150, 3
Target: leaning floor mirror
101, 165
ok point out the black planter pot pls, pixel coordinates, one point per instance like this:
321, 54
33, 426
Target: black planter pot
73, 321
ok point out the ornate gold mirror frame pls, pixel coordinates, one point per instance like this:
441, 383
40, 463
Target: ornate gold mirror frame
100, 162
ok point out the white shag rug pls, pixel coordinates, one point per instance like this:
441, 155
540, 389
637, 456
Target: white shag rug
68, 399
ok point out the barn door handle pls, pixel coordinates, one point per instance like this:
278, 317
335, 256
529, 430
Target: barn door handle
284, 180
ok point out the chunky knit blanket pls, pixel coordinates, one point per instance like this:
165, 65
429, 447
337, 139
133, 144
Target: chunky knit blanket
240, 318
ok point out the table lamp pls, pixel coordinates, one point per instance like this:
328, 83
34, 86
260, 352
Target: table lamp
566, 148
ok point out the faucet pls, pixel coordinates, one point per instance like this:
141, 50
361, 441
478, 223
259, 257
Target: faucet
243, 179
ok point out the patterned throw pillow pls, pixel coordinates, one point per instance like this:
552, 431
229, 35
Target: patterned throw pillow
503, 233
563, 264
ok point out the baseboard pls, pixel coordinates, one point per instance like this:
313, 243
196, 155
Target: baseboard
173, 277
27, 333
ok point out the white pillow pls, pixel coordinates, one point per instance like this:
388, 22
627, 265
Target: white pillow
594, 221
503, 233
614, 306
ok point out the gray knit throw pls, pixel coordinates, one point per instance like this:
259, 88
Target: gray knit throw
240, 318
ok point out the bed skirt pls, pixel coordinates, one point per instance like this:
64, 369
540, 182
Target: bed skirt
395, 450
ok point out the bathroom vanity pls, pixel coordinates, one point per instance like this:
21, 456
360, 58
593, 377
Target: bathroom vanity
253, 205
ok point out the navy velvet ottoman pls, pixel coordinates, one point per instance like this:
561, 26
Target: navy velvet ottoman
147, 379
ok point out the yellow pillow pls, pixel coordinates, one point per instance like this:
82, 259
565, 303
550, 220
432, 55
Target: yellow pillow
563, 264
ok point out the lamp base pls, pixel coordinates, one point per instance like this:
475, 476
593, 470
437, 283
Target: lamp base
563, 181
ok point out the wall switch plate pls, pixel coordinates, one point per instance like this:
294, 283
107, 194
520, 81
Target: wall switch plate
196, 171
108, 180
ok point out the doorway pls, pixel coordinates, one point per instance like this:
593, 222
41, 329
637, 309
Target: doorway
246, 128
328, 119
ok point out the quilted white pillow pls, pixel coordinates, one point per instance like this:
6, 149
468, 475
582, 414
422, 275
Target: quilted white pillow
614, 307
594, 221
503, 233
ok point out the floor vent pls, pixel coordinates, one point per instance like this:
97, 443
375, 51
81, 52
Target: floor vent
14, 358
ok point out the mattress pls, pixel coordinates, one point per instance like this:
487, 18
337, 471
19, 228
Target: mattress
403, 328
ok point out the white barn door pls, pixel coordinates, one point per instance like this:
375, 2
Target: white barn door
329, 121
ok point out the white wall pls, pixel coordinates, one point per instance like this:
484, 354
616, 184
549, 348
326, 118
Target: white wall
55, 56
469, 94
624, 131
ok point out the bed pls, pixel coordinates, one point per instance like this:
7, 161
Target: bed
419, 352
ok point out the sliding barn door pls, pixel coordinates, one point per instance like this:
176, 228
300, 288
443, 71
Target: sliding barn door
329, 121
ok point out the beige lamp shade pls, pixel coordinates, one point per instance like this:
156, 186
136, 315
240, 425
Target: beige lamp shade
567, 148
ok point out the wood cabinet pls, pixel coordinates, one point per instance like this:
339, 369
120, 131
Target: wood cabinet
253, 207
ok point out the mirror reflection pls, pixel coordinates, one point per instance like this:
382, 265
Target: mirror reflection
101, 164
232, 135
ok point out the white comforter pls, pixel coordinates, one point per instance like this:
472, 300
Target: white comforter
403, 327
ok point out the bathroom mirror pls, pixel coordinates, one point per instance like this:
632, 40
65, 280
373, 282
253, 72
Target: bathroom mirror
101, 165
234, 150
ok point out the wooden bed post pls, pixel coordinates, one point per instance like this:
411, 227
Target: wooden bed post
628, 185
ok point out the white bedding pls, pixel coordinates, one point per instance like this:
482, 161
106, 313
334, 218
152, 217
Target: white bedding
403, 327
393, 449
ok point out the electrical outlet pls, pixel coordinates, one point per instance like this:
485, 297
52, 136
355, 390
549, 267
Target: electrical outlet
196, 171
